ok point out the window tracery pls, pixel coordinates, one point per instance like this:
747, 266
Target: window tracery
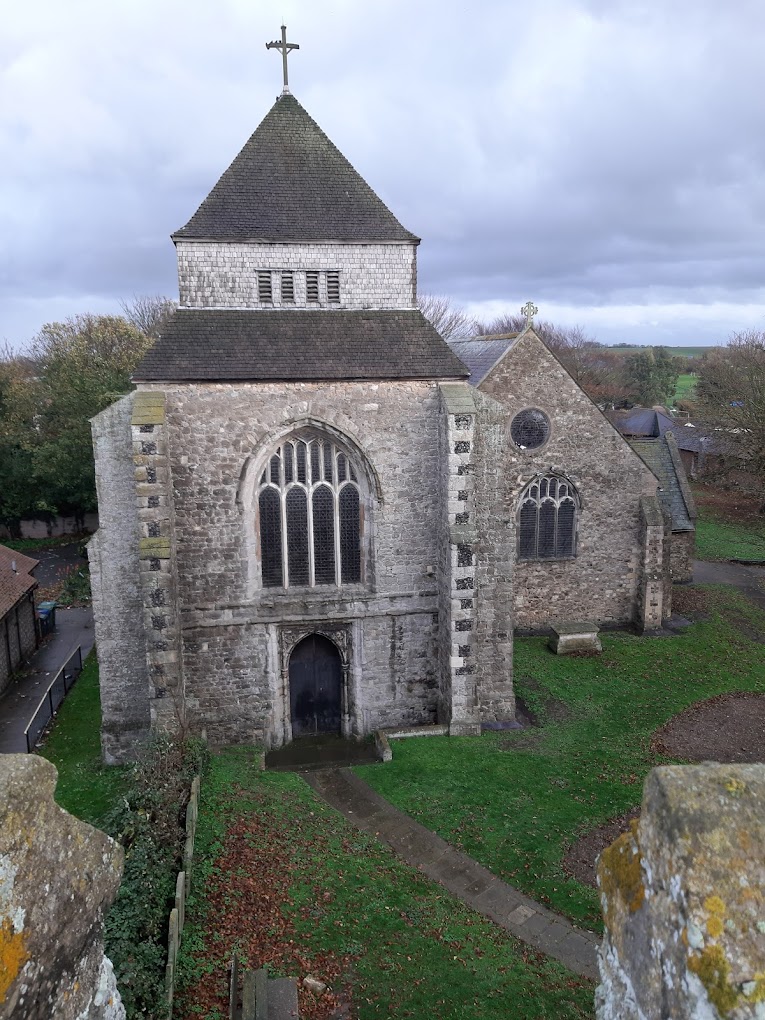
547, 519
309, 515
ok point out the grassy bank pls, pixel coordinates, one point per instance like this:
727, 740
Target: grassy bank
515, 801
86, 787
285, 882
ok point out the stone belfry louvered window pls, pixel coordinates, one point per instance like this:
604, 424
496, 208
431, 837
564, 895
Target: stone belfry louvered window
333, 287
288, 288
312, 286
310, 515
547, 520
265, 292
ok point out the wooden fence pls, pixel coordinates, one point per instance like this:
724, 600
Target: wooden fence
182, 890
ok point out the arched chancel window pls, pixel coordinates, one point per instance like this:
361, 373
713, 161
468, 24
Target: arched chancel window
309, 515
547, 520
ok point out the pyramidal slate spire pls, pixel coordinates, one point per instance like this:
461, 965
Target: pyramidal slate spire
290, 183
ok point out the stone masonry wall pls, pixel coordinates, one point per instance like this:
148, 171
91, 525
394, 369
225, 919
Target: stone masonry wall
225, 275
495, 567
601, 582
157, 560
58, 876
682, 552
236, 635
117, 594
476, 566
458, 701
682, 895
654, 601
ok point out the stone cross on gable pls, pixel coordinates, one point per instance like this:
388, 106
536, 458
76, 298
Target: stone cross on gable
285, 47
529, 310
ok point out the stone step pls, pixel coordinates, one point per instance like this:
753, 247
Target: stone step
265, 998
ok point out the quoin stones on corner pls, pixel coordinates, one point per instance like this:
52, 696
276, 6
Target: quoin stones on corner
316, 515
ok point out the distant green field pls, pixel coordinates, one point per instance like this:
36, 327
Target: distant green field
679, 352
685, 389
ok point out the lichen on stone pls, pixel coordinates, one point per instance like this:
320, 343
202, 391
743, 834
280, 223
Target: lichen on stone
712, 968
13, 956
621, 871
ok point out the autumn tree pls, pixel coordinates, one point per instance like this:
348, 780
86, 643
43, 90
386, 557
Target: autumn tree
70, 371
596, 368
19, 496
731, 393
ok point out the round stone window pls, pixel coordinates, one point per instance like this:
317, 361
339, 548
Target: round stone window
530, 429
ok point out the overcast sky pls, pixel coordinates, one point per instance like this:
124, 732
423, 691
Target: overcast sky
603, 158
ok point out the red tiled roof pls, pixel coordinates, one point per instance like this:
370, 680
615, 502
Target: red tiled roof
14, 585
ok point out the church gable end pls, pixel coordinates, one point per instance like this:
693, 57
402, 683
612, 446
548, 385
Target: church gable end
574, 487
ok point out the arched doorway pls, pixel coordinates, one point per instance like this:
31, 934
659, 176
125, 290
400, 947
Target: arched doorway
316, 686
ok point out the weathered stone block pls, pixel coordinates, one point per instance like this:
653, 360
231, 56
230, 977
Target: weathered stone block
57, 877
682, 897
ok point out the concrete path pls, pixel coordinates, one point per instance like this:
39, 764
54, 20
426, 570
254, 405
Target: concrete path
73, 627
461, 875
749, 580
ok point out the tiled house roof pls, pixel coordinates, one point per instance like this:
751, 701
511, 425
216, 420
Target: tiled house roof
14, 585
290, 183
223, 345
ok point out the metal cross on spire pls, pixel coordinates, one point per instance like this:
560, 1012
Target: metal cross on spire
285, 47
529, 310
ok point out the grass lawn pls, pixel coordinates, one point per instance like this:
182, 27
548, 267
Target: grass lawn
284, 881
686, 385
86, 787
515, 801
729, 525
727, 540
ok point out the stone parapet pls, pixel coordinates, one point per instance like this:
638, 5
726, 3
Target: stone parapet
682, 895
58, 876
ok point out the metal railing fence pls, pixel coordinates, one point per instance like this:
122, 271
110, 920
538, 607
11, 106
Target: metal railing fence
50, 702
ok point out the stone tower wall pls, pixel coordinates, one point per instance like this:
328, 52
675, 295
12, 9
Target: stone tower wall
237, 635
116, 584
225, 275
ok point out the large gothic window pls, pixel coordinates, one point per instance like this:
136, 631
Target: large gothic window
309, 511
547, 520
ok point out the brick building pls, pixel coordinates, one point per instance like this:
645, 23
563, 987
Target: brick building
315, 515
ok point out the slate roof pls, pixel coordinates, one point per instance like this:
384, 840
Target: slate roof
290, 183
14, 586
652, 423
675, 494
482, 353
255, 345
641, 421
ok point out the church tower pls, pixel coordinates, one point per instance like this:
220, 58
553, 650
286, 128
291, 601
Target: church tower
289, 520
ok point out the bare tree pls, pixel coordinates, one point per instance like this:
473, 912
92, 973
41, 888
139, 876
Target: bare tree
731, 393
148, 313
451, 321
598, 369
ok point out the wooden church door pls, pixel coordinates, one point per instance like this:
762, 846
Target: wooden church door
316, 681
